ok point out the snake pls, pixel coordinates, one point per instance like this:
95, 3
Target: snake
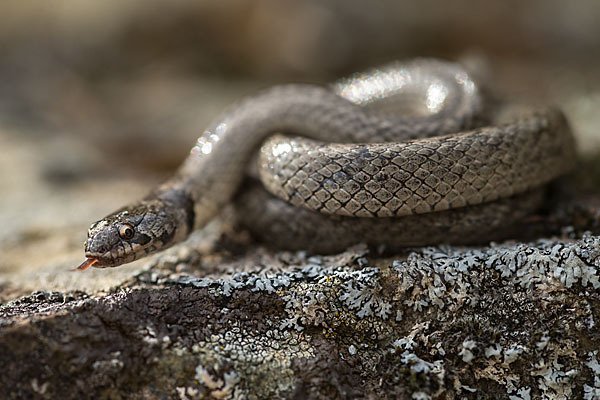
408, 154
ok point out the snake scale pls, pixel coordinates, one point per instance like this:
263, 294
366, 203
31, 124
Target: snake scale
418, 159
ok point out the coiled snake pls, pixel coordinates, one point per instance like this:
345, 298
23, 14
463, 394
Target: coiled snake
418, 160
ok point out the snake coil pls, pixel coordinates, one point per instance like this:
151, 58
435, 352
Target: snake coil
407, 154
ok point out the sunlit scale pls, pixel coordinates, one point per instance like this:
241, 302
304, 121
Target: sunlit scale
205, 143
220, 130
206, 148
366, 88
281, 149
467, 84
437, 93
432, 92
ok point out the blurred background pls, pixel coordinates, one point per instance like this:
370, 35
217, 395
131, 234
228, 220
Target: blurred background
100, 100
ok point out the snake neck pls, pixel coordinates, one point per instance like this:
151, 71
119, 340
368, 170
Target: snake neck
217, 163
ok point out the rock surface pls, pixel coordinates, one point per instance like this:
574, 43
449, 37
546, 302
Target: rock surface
509, 320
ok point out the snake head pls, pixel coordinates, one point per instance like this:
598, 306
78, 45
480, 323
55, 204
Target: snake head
136, 231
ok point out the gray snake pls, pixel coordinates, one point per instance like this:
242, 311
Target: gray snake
419, 158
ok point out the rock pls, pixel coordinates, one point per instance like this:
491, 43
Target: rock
510, 320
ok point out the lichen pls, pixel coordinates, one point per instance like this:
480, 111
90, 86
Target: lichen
509, 320
395, 309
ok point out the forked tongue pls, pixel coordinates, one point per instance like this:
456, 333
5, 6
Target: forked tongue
86, 264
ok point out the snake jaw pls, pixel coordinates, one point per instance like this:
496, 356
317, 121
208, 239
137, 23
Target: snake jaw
86, 264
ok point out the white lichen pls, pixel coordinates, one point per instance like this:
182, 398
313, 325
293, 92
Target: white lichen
592, 363
543, 342
592, 390
512, 354
465, 351
493, 351
420, 396
554, 381
418, 365
39, 388
522, 394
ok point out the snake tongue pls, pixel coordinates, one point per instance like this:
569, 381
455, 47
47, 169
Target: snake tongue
86, 264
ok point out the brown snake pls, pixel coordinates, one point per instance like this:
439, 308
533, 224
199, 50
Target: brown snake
418, 161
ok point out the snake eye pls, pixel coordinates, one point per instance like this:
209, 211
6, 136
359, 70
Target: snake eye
126, 232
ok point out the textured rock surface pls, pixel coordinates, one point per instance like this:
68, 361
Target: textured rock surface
517, 320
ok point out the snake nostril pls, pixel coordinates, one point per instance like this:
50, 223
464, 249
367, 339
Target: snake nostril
96, 247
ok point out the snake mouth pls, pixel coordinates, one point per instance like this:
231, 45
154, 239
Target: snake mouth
103, 260
96, 260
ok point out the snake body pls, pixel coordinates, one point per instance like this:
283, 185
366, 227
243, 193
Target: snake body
418, 159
